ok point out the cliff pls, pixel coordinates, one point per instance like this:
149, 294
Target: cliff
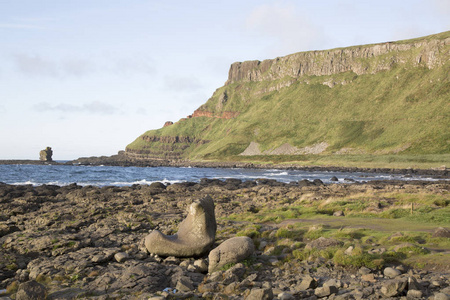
359, 59
371, 99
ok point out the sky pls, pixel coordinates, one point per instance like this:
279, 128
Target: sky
87, 77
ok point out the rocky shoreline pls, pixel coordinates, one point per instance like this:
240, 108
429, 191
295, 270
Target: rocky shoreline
87, 242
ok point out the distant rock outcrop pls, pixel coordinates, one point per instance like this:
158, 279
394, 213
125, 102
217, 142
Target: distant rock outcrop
46, 154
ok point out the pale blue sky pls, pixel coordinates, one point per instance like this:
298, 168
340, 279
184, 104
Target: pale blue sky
87, 77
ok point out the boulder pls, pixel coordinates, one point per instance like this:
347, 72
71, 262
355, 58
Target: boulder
307, 283
325, 291
260, 294
31, 290
441, 232
46, 154
391, 272
230, 251
393, 288
195, 235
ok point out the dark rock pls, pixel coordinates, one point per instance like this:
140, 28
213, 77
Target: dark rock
46, 154
157, 185
304, 182
441, 232
31, 290
334, 178
318, 182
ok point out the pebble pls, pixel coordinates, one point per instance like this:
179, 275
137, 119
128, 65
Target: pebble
391, 272
121, 257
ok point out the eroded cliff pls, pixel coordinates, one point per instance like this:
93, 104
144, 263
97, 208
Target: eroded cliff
368, 59
373, 99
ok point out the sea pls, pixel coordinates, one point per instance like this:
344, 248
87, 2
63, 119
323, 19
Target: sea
126, 176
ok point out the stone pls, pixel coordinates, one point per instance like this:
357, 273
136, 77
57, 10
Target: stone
260, 294
441, 296
184, 285
232, 250
441, 232
349, 250
46, 154
31, 290
322, 243
201, 265
325, 291
391, 272
364, 270
334, 178
307, 283
393, 288
333, 282
414, 294
339, 213
195, 236
168, 123
368, 277
285, 296
121, 257
413, 284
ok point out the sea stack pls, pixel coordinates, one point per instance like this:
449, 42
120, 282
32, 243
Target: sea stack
46, 154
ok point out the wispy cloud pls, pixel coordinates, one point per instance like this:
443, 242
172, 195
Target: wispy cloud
291, 29
94, 107
181, 83
38, 65
27, 23
35, 65
19, 26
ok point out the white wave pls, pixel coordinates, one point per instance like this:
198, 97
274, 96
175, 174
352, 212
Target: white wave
285, 173
26, 183
143, 182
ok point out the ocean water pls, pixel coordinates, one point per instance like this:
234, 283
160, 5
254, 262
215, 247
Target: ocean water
126, 176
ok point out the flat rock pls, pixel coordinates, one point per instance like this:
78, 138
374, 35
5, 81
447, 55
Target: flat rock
322, 243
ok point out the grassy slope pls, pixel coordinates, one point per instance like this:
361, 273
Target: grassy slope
373, 113
364, 225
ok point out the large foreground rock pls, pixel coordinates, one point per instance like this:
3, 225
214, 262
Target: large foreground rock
195, 235
231, 251
31, 290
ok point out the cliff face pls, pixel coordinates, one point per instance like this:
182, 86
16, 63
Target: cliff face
373, 99
355, 59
